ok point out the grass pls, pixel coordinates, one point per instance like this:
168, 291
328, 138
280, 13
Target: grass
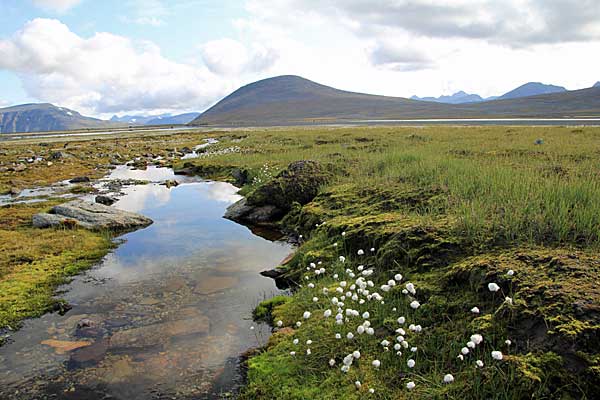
452, 209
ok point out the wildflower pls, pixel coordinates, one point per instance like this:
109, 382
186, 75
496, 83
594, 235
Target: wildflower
308, 352
280, 323
335, 276
401, 331
345, 368
292, 353
342, 259
510, 272
335, 244
385, 343
475, 310
376, 363
411, 363
461, 357
470, 344
397, 347
315, 299
411, 288
415, 304
479, 363
298, 324
448, 378
295, 341
370, 331
309, 342
366, 315
493, 287
476, 338
331, 362
404, 291
360, 252
385, 288
325, 291
358, 384
391, 282
313, 265
338, 336
410, 385
350, 335
508, 300
348, 360
413, 349
343, 283
371, 390
508, 342
306, 314
356, 354
401, 320
343, 233
361, 267
398, 277
311, 285
464, 351
372, 249
497, 355
360, 329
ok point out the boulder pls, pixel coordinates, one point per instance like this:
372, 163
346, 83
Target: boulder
106, 200
92, 216
80, 179
298, 183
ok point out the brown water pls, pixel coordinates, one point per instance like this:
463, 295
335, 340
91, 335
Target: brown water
169, 311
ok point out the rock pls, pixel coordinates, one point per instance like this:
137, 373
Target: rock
63, 346
20, 168
241, 176
92, 216
89, 355
170, 183
106, 200
80, 179
14, 191
214, 284
272, 273
298, 183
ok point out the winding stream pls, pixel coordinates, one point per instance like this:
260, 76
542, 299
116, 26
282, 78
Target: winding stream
165, 315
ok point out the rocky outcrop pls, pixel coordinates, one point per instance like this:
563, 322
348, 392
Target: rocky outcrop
94, 216
298, 183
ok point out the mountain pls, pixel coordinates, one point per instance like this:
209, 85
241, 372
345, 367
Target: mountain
180, 119
163, 119
597, 84
289, 100
43, 118
532, 89
456, 98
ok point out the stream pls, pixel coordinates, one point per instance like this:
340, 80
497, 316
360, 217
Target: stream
166, 315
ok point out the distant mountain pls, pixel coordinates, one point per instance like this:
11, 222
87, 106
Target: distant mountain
532, 89
457, 98
43, 118
289, 100
163, 119
597, 84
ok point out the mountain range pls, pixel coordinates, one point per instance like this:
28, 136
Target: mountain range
528, 89
294, 100
163, 119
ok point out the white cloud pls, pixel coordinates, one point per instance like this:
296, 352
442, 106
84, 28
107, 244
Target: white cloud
59, 6
230, 57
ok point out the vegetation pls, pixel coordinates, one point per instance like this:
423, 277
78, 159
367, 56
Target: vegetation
451, 209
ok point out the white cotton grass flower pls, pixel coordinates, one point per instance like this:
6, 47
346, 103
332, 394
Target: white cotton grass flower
411, 288
343, 233
401, 320
279, 323
331, 362
476, 338
497, 355
385, 343
356, 354
358, 384
306, 315
345, 368
308, 352
493, 287
471, 345
360, 252
448, 378
360, 329
370, 331
461, 357
415, 304
507, 342
350, 336
292, 353
309, 342
508, 300
398, 277
315, 299
295, 341
376, 363
371, 390
327, 313
464, 351
510, 272
397, 346
479, 364
342, 259
411, 363
372, 250
298, 324
413, 349
338, 336
410, 385
475, 310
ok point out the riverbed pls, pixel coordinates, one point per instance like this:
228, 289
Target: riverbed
167, 314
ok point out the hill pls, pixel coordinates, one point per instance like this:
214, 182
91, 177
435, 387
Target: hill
163, 119
456, 98
43, 118
287, 100
532, 89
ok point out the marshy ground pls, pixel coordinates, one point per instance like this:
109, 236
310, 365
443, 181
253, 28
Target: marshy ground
451, 209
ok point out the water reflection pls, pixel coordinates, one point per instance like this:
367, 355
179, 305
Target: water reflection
166, 314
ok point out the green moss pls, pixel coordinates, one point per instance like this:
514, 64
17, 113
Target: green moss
264, 311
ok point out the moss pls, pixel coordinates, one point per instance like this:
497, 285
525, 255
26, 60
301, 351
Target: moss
264, 311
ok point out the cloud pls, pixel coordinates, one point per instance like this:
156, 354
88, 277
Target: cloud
146, 12
230, 57
59, 6
105, 73
397, 57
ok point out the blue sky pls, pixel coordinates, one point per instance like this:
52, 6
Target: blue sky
152, 56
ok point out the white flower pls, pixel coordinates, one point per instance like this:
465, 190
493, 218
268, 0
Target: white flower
345, 368
372, 249
306, 314
411, 363
385, 343
309, 342
335, 244
385, 288
358, 384
475, 310
493, 287
411, 288
350, 335
292, 353
510, 272
315, 299
401, 320
391, 282
508, 342
356, 354
464, 351
376, 363
470, 345
327, 313
311, 285
295, 341
298, 324
413, 349
252, 328
398, 277
371, 390
308, 352
410, 385
415, 304
476, 338
370, 331
280, 323
343, 233
342, 259
404, 291
479, 363
338, 336
331, 362
461, 357
497, 355
397, 346
360, 252
508, 300
448, 378
360, 329
343, 283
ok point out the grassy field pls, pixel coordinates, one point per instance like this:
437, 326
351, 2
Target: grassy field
451, 209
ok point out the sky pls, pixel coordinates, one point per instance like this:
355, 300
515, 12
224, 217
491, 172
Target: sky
147, 57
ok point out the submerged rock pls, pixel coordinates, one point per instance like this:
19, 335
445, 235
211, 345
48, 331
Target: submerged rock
92, 216
298, 183
106, 200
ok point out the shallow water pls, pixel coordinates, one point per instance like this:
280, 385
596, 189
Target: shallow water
169, 310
